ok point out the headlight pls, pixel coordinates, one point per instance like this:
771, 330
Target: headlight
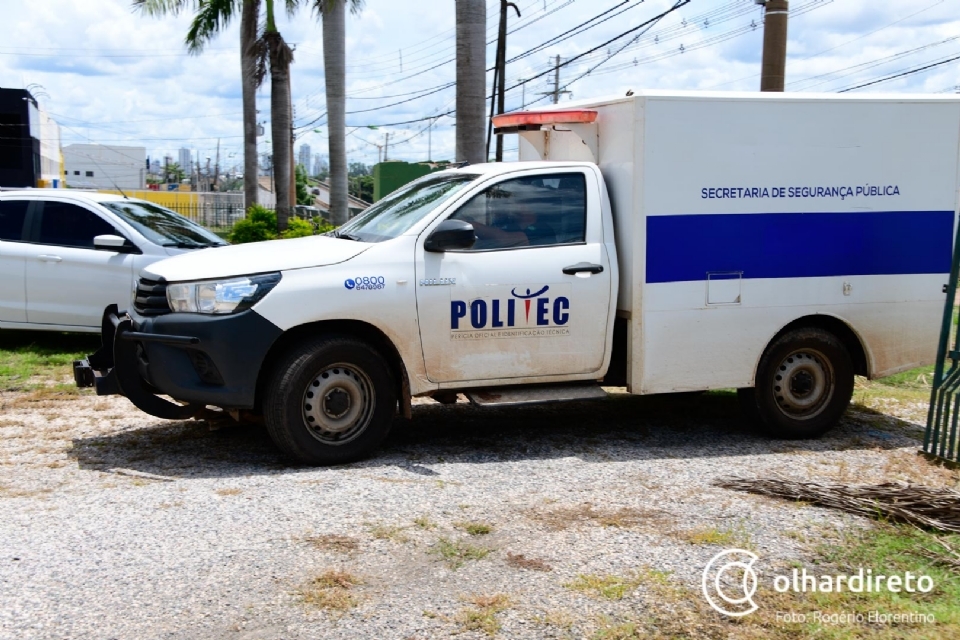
220, 297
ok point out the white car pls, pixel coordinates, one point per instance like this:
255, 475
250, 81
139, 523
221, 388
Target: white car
65, 255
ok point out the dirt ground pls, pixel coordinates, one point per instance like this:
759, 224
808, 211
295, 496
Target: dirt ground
588, 520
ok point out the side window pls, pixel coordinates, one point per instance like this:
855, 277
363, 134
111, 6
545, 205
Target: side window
68, 225
528, 212
12, 215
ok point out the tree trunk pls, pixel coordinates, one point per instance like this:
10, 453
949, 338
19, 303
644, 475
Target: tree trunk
280, 123
471, 78
248, 69
334, 69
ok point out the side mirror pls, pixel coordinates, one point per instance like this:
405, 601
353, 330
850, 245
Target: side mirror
111, 242
451, 234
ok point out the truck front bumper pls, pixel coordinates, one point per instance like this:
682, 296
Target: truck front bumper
196, 359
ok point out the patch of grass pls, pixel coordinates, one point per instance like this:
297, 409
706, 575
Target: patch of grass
475, 528
334, 542
610, 587
331, 590
483, 615
455, 552
229, 492
424, 522
382, 531
735, 536
29, 359
610, 629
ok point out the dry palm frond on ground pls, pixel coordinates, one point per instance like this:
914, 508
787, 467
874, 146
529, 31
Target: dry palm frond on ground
926, 507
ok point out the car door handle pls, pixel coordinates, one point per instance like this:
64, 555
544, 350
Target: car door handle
51, 258
582, 267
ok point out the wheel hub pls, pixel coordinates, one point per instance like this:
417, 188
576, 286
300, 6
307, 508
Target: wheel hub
338, 404
803, 384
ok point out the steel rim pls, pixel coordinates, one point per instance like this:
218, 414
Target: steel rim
338, 404
803, 384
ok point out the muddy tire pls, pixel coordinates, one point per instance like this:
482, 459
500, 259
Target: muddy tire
804, 384
329, 401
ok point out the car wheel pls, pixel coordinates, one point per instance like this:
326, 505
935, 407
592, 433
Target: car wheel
331, 400
803, 386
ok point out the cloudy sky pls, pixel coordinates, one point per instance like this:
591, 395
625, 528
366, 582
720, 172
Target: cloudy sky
110, 75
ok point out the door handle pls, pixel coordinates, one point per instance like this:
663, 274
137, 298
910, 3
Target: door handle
582, 267
51, 258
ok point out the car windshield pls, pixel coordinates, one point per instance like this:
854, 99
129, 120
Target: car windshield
162, 226
403, 208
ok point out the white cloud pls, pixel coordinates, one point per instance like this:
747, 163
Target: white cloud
113, 75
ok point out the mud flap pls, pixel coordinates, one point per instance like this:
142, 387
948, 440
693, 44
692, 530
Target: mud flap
114, 368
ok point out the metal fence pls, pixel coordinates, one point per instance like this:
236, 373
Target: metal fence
216, 216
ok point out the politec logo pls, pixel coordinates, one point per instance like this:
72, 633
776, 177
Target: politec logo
729, 582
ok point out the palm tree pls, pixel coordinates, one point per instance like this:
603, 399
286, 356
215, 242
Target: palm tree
280, 56
471, 80
333, 14
211, 17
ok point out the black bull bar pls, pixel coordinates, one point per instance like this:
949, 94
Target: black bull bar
115, 367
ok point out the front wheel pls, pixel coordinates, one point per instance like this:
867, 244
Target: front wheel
329, 401
804, 384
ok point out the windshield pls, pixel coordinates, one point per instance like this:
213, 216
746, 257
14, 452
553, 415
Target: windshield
162, 226
403, 208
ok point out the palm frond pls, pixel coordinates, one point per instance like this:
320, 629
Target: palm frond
157, 8
321, 7
212, 17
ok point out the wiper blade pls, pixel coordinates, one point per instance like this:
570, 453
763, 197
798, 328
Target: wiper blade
346, 236
191, 245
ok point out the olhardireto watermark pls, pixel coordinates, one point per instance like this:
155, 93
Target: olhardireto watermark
730, 582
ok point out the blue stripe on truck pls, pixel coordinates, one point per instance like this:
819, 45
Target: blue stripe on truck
798, 245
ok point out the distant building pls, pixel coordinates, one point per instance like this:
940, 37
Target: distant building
100, 166
186, 161
305, 157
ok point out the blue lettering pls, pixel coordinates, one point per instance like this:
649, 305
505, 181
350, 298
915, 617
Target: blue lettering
495, 315
703, 193
511, 311
560, 305
458, 309
542, 311
478, 314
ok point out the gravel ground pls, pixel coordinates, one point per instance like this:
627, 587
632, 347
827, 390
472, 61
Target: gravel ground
118, 525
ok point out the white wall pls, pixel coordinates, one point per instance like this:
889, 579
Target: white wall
109, 166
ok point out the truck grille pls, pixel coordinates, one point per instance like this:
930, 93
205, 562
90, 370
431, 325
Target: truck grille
151, 298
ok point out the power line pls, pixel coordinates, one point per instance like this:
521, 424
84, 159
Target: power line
901, 75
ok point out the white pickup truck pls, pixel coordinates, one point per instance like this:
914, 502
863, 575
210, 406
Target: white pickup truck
665, 241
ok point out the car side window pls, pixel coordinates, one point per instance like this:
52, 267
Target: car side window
68, 225
13, 213
528, 212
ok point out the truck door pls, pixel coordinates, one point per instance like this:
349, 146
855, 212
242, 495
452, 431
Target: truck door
532, 297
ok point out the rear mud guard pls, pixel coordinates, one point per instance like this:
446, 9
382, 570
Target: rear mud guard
114, 368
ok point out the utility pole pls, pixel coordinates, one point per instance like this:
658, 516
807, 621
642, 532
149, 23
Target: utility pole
774, 65
430, 140
386, 145
556, 84
499, 77
216, 174
502, 66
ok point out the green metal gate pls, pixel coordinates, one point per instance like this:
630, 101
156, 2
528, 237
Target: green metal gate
941, 437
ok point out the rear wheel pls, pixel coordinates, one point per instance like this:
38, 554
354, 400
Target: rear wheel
804, 384
332, 400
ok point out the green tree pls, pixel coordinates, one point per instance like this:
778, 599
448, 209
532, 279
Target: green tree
174, 173
362, 187
303, 189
